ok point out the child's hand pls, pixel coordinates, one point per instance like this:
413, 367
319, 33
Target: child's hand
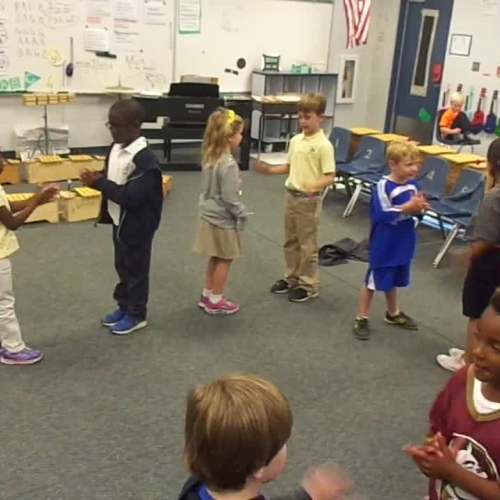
90, 177
327, 482
47, 193
436, 459
261, 168
417, 205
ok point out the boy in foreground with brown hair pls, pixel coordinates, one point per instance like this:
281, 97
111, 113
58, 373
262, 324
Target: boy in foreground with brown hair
310, 168
236, 432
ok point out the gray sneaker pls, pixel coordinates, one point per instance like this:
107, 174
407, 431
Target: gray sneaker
361, 329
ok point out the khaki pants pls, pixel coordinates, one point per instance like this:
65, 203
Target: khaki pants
10, 333
301, 241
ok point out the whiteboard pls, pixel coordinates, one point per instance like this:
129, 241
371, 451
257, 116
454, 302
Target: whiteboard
35, 35
233, 29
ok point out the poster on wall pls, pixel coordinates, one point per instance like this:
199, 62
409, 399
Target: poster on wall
489, 7
189, 16
460, 45
348, 72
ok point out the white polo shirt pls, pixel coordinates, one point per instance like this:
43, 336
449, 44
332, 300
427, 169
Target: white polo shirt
120, 166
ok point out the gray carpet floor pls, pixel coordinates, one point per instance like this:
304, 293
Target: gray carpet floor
102, 417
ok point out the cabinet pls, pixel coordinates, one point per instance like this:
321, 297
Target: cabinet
275, 122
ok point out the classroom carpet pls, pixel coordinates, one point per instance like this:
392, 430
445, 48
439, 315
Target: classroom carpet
102, 416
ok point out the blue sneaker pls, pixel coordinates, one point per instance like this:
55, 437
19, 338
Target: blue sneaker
113, 318
128, 325
26, 357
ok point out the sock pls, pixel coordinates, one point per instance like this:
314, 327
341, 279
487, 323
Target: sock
361, 317
393, 315
207, 293
215, 299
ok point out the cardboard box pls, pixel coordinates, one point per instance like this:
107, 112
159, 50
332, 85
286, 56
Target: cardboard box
49, 212
11, 173
55, 168
81, 204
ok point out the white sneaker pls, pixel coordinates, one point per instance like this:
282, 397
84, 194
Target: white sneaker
450, 363
456, 353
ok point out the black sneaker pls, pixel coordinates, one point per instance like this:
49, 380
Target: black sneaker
401, 320
361, 329
301, 295
281, 286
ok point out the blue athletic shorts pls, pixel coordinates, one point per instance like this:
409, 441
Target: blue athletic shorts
384, 279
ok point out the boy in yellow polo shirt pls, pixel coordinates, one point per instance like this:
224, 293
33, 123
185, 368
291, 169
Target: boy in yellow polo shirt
310, 168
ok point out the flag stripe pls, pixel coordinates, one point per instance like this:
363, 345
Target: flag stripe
358, 17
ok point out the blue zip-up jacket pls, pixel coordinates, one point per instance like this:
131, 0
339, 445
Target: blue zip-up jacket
140, 199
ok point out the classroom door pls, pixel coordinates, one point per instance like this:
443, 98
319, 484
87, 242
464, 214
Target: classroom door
418, 65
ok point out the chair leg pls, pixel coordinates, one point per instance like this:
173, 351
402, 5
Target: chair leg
445, 246
352, 202
441, 227
325, 192
345, 180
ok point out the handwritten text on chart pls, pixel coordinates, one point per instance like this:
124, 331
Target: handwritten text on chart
94, 65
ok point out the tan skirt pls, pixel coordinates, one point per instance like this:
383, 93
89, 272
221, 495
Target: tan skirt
214, 241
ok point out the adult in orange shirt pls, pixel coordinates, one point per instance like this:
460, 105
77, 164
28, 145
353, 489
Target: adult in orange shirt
454, 124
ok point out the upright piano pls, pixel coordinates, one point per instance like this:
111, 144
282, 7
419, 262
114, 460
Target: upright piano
184, 113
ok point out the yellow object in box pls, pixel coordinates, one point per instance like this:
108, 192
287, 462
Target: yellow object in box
80, 157
50, 159
19, 196
86, 192
42, 99
53, 99
29, 99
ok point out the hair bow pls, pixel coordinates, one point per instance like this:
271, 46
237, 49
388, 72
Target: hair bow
231, 116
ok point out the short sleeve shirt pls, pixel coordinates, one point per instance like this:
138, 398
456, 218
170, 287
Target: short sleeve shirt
8, 239
448, 118
309, 157
485, 223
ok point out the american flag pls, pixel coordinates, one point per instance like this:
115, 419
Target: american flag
358, 15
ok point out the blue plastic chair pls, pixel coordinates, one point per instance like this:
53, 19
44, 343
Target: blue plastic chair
341, 140
432, 177
467, 193
366, 182
369, 157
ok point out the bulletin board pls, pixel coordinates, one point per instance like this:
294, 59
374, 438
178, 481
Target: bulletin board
35, 45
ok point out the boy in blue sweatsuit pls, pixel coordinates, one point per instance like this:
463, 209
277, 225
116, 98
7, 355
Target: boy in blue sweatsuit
395, 203
132, 201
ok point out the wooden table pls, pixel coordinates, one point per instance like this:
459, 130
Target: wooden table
459, 161
434, 150
356, 134
392, 138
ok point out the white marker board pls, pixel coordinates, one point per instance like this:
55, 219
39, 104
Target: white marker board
35, 36
234, 29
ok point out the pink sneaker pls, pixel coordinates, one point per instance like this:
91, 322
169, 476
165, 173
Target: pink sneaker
203, 302
224, 306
